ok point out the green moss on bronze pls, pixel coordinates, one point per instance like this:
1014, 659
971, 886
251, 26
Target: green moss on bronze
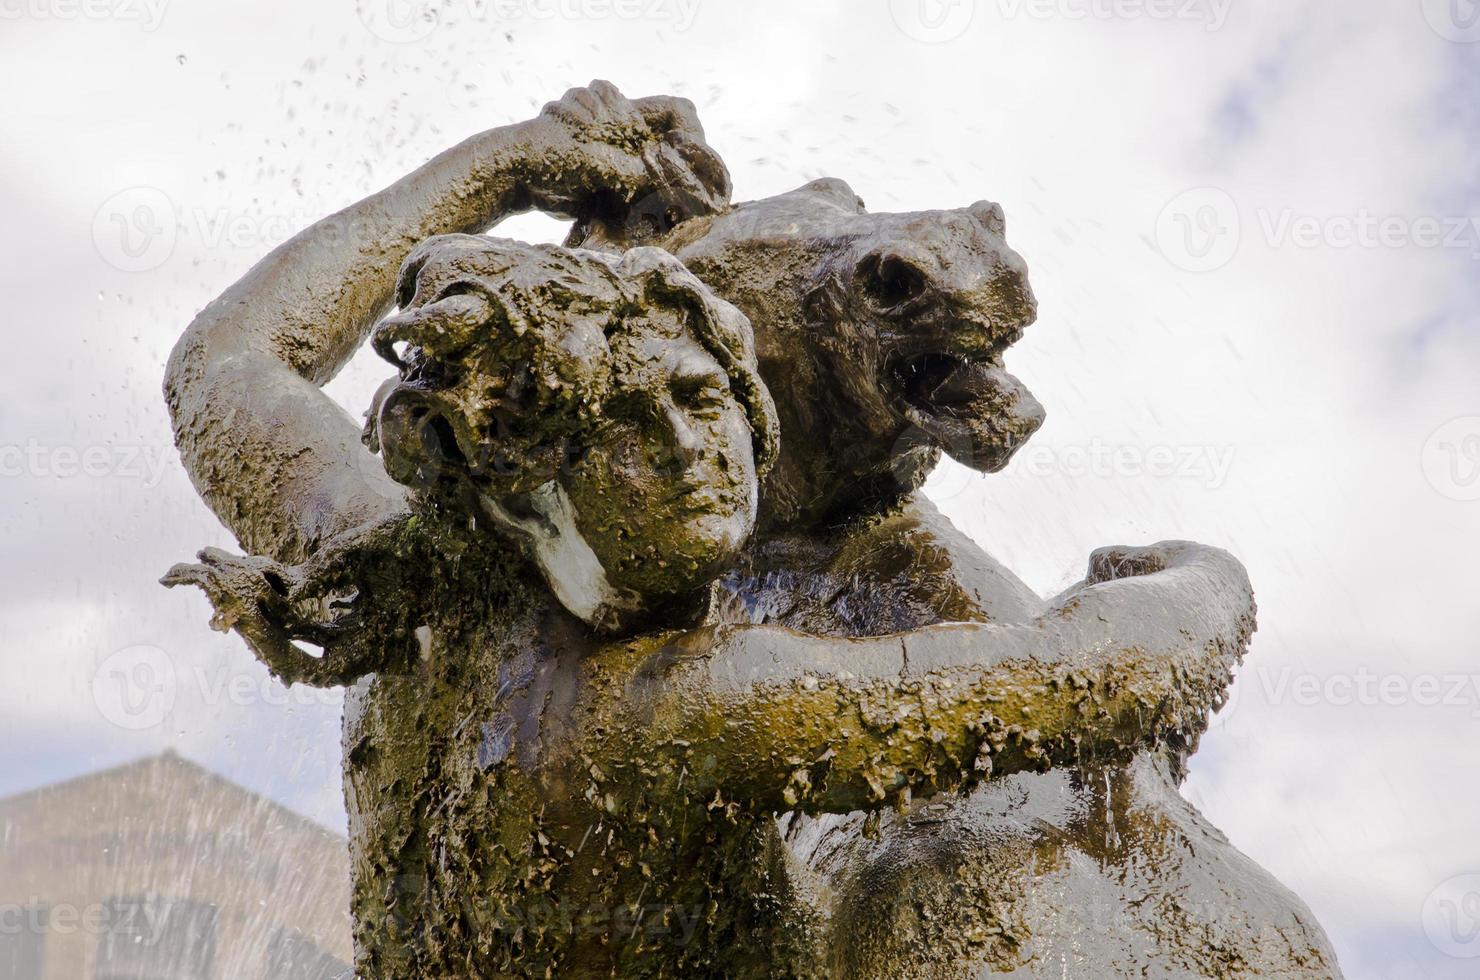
856, 748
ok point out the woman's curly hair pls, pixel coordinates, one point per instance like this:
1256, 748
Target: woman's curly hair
507, 356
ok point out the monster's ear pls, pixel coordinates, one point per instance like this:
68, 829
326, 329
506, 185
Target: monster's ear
837, 191
823, 302
990, 215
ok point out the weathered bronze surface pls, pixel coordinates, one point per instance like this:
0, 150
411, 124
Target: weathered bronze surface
660, 665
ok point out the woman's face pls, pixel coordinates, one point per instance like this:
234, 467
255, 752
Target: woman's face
591, 385
665, 491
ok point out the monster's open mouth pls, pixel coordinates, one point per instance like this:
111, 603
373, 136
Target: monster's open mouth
974, 409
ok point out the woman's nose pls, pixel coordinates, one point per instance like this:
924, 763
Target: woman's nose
687, 443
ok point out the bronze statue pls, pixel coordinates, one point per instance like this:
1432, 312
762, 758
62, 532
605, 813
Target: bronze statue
660, 665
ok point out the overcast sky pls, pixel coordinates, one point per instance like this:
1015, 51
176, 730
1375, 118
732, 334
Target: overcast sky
1252, 228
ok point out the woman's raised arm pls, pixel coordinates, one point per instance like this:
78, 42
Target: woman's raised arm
275, 458
1139, 653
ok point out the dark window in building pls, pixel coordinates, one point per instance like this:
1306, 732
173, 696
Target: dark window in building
293, 956
152, 937
22, 942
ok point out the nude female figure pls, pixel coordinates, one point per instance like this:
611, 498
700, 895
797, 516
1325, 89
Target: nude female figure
529, 796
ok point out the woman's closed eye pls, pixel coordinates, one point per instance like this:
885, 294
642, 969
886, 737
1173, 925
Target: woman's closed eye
700, 392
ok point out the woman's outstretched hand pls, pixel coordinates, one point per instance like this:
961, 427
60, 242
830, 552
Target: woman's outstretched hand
326, 602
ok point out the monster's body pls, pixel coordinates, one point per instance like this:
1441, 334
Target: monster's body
1099, 871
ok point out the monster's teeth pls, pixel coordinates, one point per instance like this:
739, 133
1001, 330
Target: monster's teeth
979, 414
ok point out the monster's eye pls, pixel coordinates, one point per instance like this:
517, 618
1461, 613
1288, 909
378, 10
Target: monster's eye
891, 280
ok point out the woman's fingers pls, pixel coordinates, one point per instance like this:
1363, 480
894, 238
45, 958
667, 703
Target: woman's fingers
665, 113
592, 108
187, 573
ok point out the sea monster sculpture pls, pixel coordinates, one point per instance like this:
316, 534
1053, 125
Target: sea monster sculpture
660, 666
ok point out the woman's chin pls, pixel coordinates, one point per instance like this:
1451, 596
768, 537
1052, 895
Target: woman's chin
693, 550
